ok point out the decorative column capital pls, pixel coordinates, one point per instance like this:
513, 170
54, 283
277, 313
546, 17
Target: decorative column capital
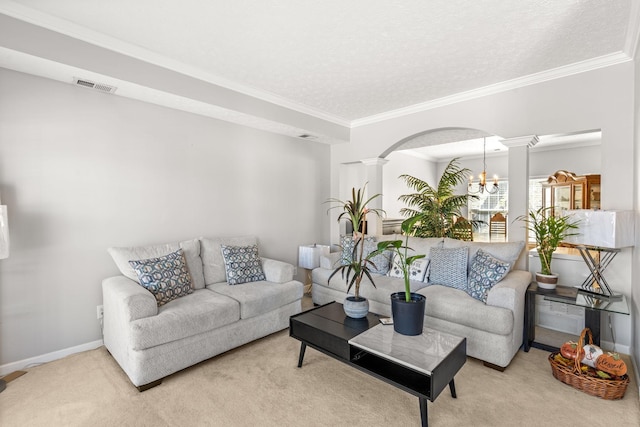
520, 141
376, 161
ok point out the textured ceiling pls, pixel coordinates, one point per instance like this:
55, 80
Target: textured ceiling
360, 58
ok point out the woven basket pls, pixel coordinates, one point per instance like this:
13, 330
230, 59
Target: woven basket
572, 375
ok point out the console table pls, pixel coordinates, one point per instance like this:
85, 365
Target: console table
593, 306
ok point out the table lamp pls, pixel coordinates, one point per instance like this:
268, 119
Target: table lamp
309, 258
604, 232
4, 252
4, 232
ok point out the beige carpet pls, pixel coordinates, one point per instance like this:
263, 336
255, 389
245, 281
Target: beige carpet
260, 385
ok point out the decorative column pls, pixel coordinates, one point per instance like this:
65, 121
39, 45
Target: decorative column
374, 186
518, 167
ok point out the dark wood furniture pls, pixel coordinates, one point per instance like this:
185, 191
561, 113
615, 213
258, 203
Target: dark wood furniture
566, 190
463, 230
498, 226
593, 307
328, 330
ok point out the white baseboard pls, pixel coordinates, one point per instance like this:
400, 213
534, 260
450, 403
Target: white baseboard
607, 345
49, 357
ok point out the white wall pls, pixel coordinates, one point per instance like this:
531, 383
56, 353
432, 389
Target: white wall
598, 99
393, 187
635, 290
81, 171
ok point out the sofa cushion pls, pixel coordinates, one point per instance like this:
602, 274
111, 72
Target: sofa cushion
166, 277
448, 267
385, 286
416, 272
484, 273
505, 251
422, 245
199, 312
211, 253
454, 305
256, 298
122, 255
242, 264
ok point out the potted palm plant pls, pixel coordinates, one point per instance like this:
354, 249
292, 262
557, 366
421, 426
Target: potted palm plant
437, 206
407, 308
354, 268
549, 230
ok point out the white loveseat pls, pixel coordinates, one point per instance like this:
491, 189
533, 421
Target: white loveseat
494, 329
150, 341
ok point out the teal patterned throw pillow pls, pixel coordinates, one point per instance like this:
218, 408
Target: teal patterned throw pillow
448, 267
242, 264
166, 277
484, 273
347, 243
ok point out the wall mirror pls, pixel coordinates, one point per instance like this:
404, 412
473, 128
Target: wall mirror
426, 155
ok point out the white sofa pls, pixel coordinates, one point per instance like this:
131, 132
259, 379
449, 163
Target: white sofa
494, 330
150, 341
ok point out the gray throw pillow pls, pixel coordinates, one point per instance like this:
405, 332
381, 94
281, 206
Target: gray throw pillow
166, 277
485, 272
242, 264
448, 267
381, 262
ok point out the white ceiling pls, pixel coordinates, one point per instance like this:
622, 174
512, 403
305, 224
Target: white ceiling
346, 62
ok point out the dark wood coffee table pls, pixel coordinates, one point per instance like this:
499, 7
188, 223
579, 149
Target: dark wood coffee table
422, 365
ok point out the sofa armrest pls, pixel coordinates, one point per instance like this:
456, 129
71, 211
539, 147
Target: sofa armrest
277, 271
330, 261
509, 292
127, 300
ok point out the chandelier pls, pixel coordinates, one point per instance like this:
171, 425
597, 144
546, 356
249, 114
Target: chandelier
482, 185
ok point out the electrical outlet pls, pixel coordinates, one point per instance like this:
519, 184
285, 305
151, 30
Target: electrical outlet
100, 312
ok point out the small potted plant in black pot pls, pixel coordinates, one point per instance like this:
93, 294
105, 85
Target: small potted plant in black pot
407, 308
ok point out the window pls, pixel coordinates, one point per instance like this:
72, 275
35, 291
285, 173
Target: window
484, 206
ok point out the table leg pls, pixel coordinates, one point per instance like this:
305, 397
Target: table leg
303, 347
529, 320
452, 389
424, 419
592, 321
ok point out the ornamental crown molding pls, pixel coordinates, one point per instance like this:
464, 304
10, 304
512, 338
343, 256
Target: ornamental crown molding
520, 141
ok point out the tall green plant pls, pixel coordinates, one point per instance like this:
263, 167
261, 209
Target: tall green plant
549, 231
356, 210
436, 208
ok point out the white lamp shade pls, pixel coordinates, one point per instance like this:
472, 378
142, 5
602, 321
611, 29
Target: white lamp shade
309, 255
4, 232
605, 229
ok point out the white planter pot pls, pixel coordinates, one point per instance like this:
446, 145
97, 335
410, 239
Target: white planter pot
547, 281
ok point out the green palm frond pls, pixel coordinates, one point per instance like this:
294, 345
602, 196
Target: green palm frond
436, 207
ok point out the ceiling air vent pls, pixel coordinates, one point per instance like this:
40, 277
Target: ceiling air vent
93, 85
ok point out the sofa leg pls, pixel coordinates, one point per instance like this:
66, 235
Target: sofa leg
150, 385
492, 366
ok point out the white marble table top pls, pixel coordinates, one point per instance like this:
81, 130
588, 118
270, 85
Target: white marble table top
422, 353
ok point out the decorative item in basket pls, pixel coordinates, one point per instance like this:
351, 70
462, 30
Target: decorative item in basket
589, 369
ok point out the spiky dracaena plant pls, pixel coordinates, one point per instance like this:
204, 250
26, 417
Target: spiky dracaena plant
436, 208
549, 231
358, 266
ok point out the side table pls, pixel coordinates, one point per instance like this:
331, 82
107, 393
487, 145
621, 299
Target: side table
568, 295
